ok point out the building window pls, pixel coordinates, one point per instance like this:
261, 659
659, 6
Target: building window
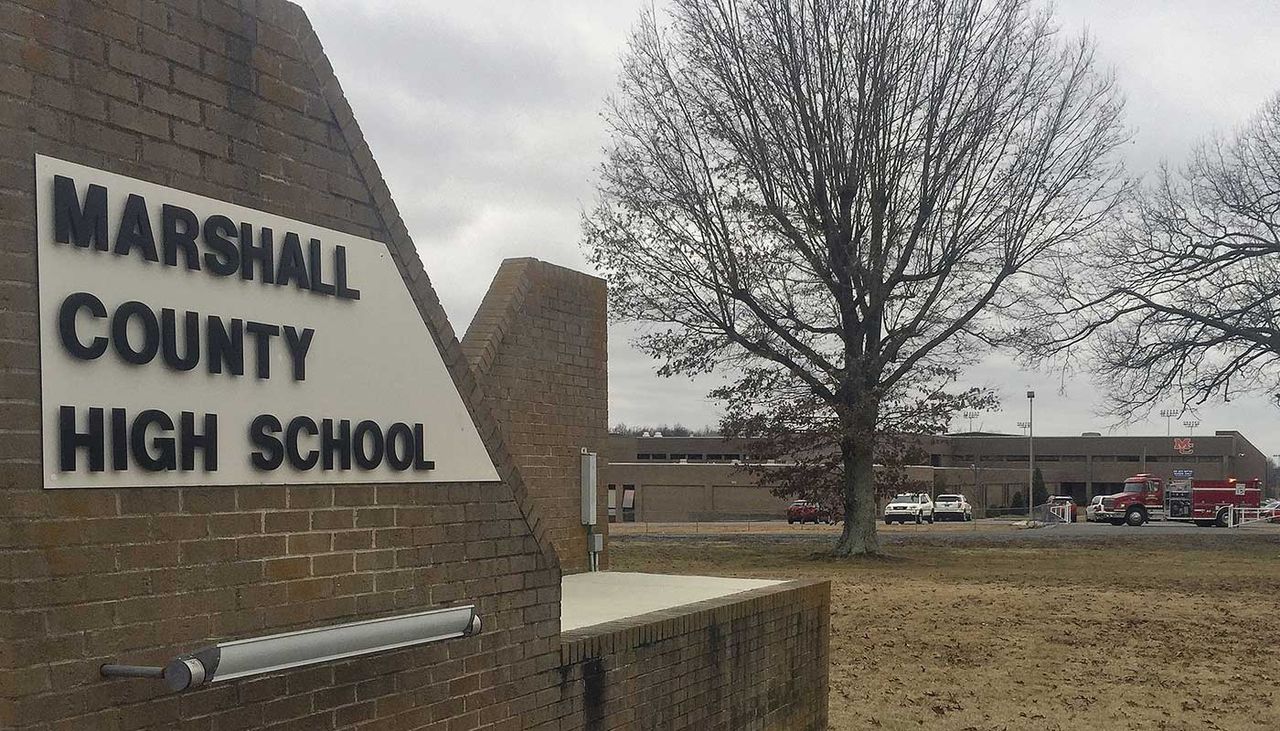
677, 457
732, 457
1048, 458
657, 456
644, 456
1128, 458
628, 503
613, 503
692, 457
1073, 458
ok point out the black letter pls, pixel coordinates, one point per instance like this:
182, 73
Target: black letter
207, 441
400, 434
73, 224
225, 347
298, 425
341, 444
263, 253
270, 454
67, 325
224, 259
135, 229
364, 460
293, 265
191, 333
262, 333
150, 333
298, 347
420, 461
173, 239
318, 285
340, 266
119, 441
138, 442
69, 440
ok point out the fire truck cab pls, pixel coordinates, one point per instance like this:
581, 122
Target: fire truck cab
1203, 502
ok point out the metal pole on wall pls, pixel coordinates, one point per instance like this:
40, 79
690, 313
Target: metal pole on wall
1031, 454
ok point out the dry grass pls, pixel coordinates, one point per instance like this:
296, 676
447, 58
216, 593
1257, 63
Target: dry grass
1167, 634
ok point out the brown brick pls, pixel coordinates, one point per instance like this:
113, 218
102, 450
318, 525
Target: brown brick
237, 101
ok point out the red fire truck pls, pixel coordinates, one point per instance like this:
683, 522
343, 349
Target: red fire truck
1203, 502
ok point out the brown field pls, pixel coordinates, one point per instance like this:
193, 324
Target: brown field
1168, 631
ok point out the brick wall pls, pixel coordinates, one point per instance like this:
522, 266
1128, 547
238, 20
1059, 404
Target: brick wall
239, 105
750, 661
235, 100
538, 347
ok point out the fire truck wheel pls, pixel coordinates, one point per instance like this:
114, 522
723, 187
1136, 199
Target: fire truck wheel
1135, 517
1223, 518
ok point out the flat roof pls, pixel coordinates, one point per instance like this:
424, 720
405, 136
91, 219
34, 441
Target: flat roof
604, 596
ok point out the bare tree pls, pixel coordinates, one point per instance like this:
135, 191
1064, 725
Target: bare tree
1183, 301
846, 190
793, 436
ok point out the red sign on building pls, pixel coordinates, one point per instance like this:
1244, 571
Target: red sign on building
1183, 445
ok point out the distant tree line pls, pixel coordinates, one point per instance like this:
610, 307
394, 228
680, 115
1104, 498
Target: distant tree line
667, 430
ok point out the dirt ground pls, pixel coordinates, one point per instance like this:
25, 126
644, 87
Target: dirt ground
1144, 629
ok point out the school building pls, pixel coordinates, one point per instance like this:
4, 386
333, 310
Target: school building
658, 478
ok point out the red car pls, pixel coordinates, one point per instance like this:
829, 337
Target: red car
806, 511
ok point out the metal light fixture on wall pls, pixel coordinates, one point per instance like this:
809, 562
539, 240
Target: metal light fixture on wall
259, 655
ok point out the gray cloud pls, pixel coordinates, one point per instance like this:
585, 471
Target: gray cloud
484, 117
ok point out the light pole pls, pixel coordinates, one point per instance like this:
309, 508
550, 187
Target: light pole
971, 415
1031, 452
1168, 415
1191, 425
977, 485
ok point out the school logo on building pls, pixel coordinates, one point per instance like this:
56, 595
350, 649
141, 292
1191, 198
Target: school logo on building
1183, 445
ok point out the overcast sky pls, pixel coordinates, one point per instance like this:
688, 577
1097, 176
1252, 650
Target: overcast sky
484, 117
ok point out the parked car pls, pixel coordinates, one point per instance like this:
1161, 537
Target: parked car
915, 506
1069, 503
1092, 509
952, 507
807, 511
1271, 505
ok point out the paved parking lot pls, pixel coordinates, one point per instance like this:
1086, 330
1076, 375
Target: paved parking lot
985, 531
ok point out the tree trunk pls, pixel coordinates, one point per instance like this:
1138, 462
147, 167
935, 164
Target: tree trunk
857, 452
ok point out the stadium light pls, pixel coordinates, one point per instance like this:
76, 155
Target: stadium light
259, 655
1168, 415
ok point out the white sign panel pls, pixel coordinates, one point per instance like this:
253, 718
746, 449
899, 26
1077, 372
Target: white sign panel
189, 341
